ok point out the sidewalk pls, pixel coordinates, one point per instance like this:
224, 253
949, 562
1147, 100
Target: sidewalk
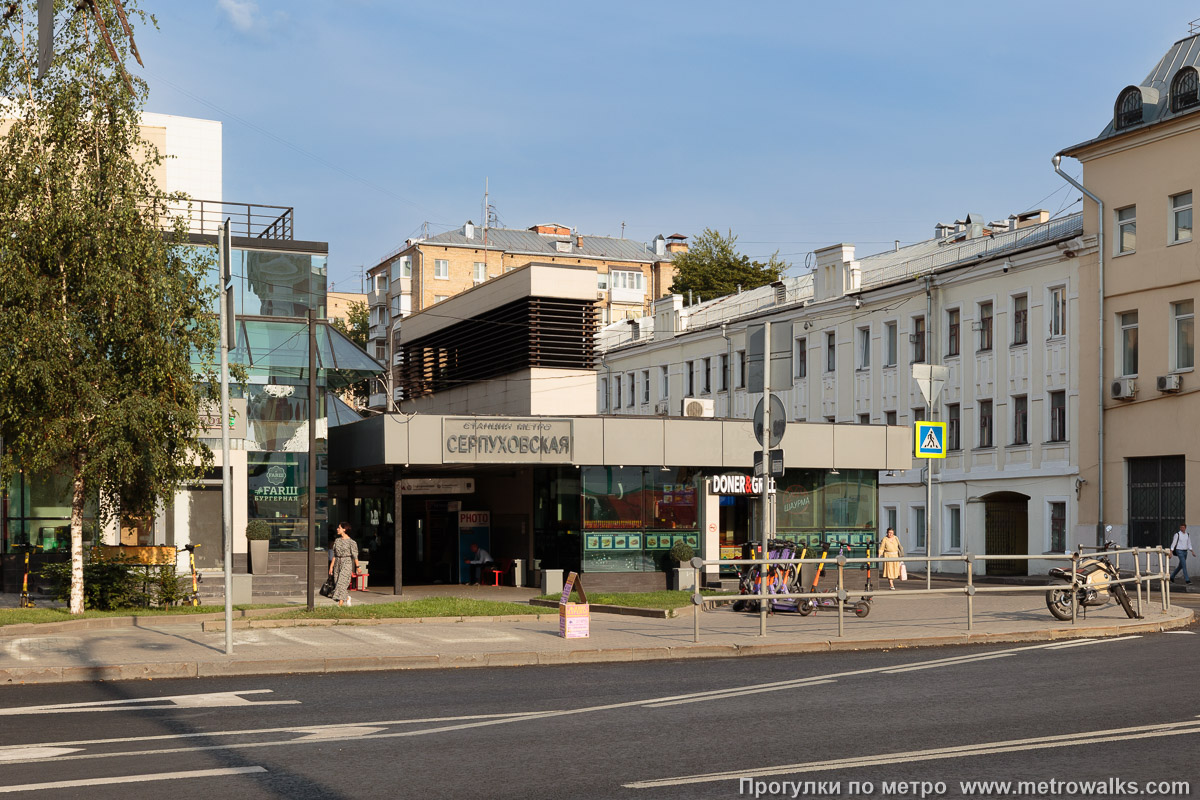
163, 647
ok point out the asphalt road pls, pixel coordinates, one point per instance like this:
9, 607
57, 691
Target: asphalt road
1124, 709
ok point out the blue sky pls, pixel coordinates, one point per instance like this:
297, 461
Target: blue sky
795, 124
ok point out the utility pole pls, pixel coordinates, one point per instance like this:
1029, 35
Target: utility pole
228, 342
312, 452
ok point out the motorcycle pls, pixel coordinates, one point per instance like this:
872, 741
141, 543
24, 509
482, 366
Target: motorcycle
1095, 586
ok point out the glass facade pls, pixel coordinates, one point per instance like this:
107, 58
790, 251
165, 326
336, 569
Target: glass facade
815, 505
632, 516
37, 511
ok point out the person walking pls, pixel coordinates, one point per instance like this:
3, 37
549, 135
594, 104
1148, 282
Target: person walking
344, 563
890, 547
1181, 545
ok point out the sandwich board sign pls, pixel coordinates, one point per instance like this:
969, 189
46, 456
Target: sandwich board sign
930, 440
574, 620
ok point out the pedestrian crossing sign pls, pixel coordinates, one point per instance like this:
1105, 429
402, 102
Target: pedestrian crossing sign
930, 439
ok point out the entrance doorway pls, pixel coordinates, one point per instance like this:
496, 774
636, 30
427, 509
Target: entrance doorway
204, 526
1006, 532
1156, 499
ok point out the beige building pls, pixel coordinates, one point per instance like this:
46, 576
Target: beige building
1137, 292
990, 302
628, 275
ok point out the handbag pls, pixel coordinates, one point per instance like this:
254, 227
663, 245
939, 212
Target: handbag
328, 587
903, 572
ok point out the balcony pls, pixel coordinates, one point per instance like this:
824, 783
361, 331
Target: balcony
246, 220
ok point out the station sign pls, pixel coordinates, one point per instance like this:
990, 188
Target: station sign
507, 440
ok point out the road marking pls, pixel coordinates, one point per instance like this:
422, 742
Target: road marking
960, 751
155, 776
339, 732
25, 753
1185, 633
1085, 642
949, 662
207, 700
738, 693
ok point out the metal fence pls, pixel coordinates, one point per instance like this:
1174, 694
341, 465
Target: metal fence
1155, 569
248, 220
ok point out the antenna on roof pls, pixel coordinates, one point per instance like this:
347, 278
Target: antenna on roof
622, 229
1194, 27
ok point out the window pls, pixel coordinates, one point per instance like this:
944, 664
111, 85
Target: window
689, 369
1184, 341
802, 357
664, 382
918, 340
1058, 416
617, 391
864, 419
918, 414
889, 343
830, 352
1058, 311
401, 268
706, 378
480, 271
918, 528
724, 372
629, 379
1128, 349
1020, 419
604, 394
1126, 230
889, 418
441, 298
1181, 218
1058, 527
740, 359
601, 280
889, 518
645, 386
953, 426
623, 279
1183, 89
952, 335
1129, 108
985, 326
441, 268
1020, 334
953, 528
380, 351
864, 348
985, 423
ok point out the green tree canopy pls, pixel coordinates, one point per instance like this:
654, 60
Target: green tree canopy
104, 313
712, 267
359, 327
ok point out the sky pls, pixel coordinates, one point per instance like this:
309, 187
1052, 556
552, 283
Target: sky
793, 124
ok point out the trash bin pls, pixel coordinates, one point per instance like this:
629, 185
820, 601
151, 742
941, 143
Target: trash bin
552, 581
518, 572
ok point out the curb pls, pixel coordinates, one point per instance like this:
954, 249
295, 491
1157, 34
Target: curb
629, 611
331, 665
209, 626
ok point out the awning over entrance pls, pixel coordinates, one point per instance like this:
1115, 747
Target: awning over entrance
423, 440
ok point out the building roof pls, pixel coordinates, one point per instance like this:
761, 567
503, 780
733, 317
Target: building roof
1155, 91
525, 241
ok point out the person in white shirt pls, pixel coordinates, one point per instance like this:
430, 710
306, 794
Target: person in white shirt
480, 564
1181, 545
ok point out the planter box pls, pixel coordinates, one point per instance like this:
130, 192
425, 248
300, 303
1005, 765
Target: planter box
259, 548
685, 579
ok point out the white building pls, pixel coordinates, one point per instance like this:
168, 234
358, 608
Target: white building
994, 303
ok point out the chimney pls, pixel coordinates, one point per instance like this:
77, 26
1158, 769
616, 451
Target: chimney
660, 245
579, 241
469, 230
677, 243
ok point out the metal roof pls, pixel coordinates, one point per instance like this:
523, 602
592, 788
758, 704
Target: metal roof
524, 241
1156, 92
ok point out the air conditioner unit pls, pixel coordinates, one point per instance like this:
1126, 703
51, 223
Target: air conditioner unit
1169, 383
1123, 389
601, 294
661, 407
698, 407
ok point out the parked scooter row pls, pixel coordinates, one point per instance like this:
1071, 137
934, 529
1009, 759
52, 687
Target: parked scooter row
785, 579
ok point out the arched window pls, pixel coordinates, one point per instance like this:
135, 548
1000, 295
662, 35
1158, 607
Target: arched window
1129, 108
1184, 89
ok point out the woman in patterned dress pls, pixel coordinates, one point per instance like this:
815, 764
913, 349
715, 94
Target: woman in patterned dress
344, 563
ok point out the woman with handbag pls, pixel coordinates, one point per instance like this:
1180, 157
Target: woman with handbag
890, 547
344, 563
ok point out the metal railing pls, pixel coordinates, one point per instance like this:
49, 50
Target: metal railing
247, 220
970, 589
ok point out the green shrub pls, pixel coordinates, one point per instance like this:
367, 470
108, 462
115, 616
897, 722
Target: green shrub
257, 529
116, 582
682, 552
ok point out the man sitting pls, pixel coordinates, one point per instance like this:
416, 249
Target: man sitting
480, 564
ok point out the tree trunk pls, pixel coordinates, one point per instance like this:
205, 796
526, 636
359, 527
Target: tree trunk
77, 501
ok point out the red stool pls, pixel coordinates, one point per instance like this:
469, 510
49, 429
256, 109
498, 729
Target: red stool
496, 574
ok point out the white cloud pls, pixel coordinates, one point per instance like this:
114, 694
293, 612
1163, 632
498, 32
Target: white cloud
241, 13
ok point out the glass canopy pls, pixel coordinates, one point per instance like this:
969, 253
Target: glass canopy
280, 349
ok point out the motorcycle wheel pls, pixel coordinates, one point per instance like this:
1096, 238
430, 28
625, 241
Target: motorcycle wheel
739, 605
806, 607
1123, 598
862, 608
1059, 603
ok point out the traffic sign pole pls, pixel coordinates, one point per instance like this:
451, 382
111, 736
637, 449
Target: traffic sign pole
765, 505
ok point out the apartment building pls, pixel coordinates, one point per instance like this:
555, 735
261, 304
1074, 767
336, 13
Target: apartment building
1138, 286
630, 274
994, 303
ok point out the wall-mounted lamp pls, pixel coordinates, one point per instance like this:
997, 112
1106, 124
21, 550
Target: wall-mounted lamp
1079, 482
807, 325
858, 302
